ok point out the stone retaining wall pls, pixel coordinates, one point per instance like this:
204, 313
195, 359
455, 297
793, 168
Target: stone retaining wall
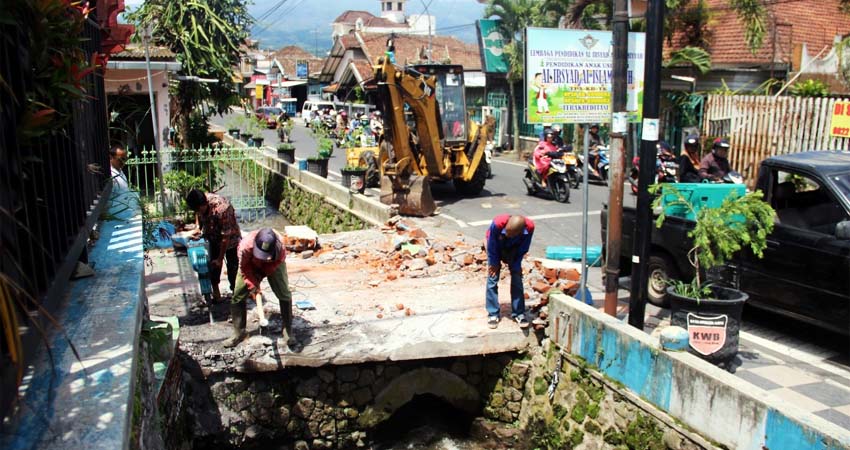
303, 207
337, 407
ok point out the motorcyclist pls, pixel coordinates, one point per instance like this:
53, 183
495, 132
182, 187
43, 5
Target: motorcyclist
714, 166
376, 124
341, 122
689, 161
282, 120
557, 140
594, 142
543, 154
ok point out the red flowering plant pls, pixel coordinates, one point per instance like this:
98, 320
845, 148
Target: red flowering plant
58, 63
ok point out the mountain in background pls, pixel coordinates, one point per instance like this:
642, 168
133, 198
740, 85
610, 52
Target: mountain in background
307, 23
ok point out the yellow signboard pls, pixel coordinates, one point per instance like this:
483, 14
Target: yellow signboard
258, 92
840, 123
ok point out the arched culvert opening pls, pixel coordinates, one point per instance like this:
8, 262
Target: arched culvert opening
425, 422
423, 385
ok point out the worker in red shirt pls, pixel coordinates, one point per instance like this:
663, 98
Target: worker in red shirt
261, 255
507, 241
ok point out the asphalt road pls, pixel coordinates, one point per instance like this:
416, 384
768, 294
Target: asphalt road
557, 223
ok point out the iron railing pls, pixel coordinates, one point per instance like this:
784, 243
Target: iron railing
229, 171
49, 186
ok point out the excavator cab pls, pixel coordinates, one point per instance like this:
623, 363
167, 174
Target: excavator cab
451, 99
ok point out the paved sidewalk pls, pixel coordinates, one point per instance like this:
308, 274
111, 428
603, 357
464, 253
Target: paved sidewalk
804, 378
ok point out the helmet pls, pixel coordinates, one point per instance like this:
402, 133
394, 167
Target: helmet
691, 139
549, 134
333, 113
594, 125
377, 113
343, 114
556, 128
662, 145
721, 143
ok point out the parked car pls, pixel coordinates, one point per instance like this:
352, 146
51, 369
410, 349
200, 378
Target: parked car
269, 114
804, 272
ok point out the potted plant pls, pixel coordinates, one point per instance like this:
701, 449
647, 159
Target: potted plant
286, 152
234, 126
354, 178
257, 132
319, 164
710, 311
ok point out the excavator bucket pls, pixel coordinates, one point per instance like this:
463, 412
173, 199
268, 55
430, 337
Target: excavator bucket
412, 195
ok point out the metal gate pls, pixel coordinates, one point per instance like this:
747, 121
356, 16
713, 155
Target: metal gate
227, 171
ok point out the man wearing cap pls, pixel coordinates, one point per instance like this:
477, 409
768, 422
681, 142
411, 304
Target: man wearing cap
689, 161
714, 166
261, 255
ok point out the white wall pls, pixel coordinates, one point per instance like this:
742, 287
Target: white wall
137, 82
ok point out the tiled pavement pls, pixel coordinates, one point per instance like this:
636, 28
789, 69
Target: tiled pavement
794, 370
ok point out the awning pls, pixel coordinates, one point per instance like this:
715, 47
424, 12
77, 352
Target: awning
288, 84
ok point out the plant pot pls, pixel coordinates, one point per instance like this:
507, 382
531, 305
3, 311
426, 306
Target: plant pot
354, 179
258, 141
234, 133
318, 166
286, 154
713, 324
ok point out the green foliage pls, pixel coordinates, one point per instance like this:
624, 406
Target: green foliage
359, 94
693, 56
753, 15
198, 134
182, 182
540, 386
719, 233
685, 105
690, 21
206, 36
643, 433
809, 88
236, 122
545, 434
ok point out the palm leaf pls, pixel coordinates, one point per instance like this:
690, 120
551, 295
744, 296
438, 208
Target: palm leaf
693, 56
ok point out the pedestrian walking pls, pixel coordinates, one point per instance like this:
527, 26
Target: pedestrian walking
261, 255
507, 241
216, 222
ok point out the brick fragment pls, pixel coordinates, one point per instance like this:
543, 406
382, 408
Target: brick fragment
541, 287
569, 274
468, 259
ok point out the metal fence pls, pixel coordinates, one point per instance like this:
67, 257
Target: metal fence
762, 126
48, 186
229, 171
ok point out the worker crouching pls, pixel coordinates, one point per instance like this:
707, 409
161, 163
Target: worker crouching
261, 255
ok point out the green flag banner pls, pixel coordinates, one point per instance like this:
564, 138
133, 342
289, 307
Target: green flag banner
491, 42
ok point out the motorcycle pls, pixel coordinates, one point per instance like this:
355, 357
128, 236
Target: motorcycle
666, 169
557, 185
488, 159
600, 172
574, 175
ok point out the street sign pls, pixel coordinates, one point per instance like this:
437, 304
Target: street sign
301, 69
569, 73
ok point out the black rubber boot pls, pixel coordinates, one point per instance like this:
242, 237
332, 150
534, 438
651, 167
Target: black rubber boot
239, 314
286, 315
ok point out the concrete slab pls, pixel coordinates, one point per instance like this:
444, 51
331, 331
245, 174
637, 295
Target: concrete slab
372, 303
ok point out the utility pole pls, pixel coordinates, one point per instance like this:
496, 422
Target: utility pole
648, 151
147, 35
619, 128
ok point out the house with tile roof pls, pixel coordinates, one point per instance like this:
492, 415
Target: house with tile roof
393, 19
797, 32
349, 63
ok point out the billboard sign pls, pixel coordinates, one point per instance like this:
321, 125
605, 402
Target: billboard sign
301, 69
569, 73
491, 43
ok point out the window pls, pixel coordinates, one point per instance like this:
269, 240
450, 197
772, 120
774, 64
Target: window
389, 6
802, 202
399, 7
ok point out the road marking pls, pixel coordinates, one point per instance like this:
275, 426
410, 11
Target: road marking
459, 222
509, 163
797, 354
479, 223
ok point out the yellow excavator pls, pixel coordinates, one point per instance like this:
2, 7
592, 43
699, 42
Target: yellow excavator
427, 135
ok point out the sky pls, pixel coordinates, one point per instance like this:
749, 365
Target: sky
308, 22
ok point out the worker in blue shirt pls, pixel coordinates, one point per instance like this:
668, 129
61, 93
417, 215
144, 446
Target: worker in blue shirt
507, 240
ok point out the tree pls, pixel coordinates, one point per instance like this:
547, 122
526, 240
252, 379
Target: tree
514, 16
206, 36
